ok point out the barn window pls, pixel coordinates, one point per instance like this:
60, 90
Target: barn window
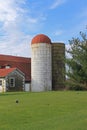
0, 82
12, 82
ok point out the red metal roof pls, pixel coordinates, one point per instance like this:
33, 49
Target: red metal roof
5, 72
41, 38
14, 58
22, 63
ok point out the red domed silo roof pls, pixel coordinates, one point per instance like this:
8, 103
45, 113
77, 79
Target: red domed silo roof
41, 38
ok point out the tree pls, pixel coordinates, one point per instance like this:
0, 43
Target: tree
77, 64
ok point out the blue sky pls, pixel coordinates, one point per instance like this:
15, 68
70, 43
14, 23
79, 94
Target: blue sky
21, 20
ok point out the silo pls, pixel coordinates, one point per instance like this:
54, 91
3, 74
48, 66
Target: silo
58, 66
41, 66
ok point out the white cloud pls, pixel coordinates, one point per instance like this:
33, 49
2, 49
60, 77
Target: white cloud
8, 10
13, 41
16, 46
57, 3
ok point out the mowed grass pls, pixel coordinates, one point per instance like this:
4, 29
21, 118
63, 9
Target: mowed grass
60, 110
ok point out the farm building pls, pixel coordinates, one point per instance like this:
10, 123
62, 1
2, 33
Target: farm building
21, 63
44, 71
11, 79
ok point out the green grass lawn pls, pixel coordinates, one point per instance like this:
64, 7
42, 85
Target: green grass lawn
60, 110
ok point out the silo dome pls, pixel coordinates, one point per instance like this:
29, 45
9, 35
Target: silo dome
41, 38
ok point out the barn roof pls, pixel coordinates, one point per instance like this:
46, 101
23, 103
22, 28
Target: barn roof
5, 72
14, 58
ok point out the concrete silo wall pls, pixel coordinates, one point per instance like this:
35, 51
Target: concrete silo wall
58, 66
41, 67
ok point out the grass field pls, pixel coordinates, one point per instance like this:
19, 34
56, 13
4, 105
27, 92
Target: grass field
60, 110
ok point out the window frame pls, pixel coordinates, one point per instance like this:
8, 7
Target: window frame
12, 82
0, 82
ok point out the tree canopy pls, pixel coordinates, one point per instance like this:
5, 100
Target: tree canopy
77, 63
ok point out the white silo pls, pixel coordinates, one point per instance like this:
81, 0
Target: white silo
41, 66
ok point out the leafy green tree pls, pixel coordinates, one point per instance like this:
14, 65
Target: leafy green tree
77, 63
